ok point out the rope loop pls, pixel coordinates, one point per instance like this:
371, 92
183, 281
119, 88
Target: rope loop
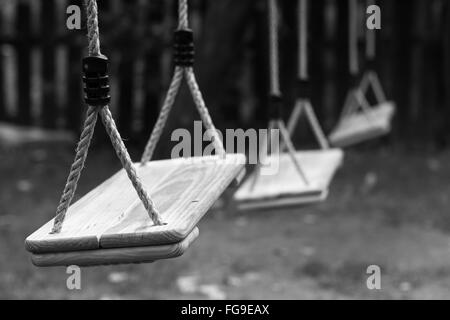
184, 52
96, 88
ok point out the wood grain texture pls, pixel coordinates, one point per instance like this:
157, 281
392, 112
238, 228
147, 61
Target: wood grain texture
112, 216
100, 257
362, 126
286, 186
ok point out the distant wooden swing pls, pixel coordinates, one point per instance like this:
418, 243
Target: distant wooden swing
113, 223
361, 121
303, 177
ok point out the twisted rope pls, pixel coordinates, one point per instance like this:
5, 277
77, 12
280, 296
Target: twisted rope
92, 27
169, 101
128, 165
303, 39
183, 22
76, 168
86, 138
203, 111
274, 58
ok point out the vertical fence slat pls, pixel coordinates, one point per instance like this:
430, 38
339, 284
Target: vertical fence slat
49, 113
36, 65
126, 80
318, 54
330, 101
443, 134
40, 82
138, 119
61, 61
23, 62
341, 75
2, 83
75, 107
10, 60
402, 55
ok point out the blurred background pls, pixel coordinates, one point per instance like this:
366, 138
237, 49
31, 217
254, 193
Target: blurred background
388, 206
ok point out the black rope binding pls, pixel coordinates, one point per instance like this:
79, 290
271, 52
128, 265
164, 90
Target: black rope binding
96, 81
304, 90
370, 64
184, 48
355, 80
275, 106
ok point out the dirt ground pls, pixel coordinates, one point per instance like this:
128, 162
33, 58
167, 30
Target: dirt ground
388, 208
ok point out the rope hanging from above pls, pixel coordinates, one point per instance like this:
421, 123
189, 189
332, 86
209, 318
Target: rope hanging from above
276, 103
184, 61
303, 83
273, 48
96, 88
303, 40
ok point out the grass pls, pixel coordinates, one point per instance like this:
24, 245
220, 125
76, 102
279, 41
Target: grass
385, 208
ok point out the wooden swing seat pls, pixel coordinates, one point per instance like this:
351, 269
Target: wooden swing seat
286, 188
112, 216
111, 256
364, 125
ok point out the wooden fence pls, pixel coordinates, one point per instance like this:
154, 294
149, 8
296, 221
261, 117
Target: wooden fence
40, 62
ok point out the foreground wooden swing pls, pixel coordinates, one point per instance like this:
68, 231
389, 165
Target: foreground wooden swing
303, 177
113, 223
360, 120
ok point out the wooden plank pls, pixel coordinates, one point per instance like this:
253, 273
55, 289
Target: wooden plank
112, 215
362, 126
115, 256
319, 167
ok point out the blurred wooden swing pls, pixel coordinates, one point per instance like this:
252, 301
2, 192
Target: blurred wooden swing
303, 177
359, 120
113, 223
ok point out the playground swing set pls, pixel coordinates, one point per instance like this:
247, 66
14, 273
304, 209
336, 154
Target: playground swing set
361, 121
304, 176
114, 224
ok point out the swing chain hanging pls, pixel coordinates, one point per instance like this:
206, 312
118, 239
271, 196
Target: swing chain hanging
183, 60
97, 98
